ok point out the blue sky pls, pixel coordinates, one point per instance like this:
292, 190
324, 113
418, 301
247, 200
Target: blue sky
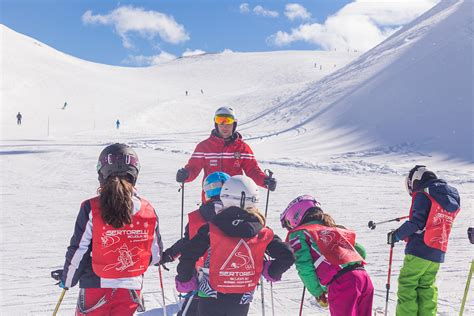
141, 33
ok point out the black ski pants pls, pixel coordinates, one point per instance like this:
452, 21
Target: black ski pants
213, 307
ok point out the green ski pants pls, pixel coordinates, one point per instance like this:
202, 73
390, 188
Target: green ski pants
417, 292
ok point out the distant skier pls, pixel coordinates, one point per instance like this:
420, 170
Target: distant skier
64, 106
186, 92
202, 92
18, 118
433, 209
116, 238
212, 186
225, 151
328, 259
234, 242
117, 123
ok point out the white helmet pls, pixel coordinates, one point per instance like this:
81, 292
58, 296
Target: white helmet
240, 191
416, 176
225, 110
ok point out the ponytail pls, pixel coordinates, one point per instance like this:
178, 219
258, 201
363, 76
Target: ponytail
116, 203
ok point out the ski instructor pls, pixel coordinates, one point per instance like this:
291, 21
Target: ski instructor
224, 150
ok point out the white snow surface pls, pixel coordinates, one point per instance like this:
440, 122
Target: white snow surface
347, 133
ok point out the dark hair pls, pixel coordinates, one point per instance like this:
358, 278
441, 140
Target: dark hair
317, 214
116, 203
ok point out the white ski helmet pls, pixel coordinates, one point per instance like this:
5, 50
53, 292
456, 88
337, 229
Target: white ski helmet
416, 176
240, 191
227, 111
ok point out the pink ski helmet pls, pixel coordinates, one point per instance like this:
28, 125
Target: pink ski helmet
296, 210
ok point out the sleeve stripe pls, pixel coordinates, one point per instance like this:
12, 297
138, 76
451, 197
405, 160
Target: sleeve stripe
81, 250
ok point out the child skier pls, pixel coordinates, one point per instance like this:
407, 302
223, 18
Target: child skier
212, 186
235, 242
434, 206
328, 259
116, 238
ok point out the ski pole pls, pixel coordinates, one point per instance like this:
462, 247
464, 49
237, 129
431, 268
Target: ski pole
387, 286
372, 224
263, 296
302, 300
182, 207
270, 175
59, 302
466, 290
162, 292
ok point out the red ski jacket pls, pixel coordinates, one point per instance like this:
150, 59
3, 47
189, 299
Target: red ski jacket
232, 157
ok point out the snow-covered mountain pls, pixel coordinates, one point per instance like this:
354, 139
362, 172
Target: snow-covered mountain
38, 80
413, 91
343, 127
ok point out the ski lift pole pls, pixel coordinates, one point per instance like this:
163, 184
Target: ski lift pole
59, 302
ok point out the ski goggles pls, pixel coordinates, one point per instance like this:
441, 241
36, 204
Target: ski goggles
112, 159
224, 119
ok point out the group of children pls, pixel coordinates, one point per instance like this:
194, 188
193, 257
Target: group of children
227, 247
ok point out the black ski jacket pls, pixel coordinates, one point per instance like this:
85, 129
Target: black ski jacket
247, 226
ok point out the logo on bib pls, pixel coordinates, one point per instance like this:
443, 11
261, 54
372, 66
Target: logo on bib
240, 262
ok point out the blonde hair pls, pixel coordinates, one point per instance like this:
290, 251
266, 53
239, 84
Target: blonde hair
317, 214
255, 212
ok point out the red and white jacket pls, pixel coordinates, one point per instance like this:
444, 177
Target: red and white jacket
233, 157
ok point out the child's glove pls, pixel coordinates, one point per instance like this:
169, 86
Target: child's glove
165, 257
266, 275
392, 237
322, 301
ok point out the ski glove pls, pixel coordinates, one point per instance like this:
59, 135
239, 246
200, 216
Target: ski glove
322, 301
470, 234
57, 274
182, 175
165, 258
271, 183
392, 237
266, 275
188, 286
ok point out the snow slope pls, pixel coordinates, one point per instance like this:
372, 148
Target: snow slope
302, 123
40, 79
413, 90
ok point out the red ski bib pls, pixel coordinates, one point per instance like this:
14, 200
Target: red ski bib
438, 225
195, 221
335, 244
122, 252
236, 263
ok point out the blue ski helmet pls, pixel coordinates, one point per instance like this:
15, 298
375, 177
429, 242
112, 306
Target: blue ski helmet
212, 185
